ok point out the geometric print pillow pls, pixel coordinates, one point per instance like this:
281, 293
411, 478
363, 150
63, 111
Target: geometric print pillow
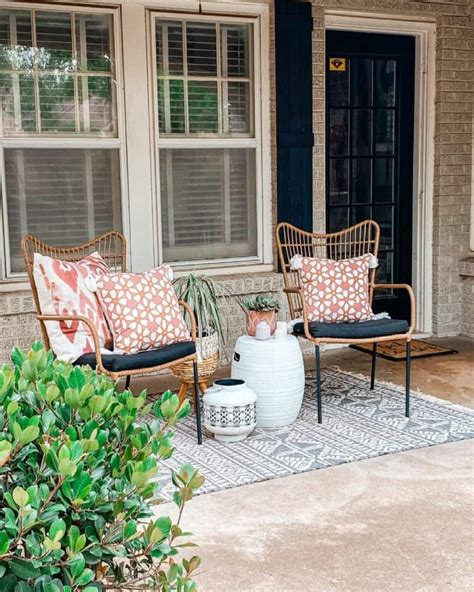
66, 288
142, 309
336, 291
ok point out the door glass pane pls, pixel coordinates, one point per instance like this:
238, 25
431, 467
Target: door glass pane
338, 219
203, 107
338, 88
361, 82
338, 181
64, 196
385, 82
208, 199
338, 132
384, 216
384, 269
201, 49
384, 180
384, 131
361, 180
361, 132
360, 213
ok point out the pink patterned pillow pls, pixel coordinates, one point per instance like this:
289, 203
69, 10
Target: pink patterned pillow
65, 288
336, 291
142, 309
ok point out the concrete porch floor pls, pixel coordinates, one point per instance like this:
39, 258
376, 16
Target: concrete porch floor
402, 522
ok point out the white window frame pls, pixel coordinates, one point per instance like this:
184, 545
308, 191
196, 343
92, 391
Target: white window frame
259, 141
65, 141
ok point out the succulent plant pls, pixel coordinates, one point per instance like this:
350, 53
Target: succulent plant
261, 303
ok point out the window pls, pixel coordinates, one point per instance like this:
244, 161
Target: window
59, 136
207, 146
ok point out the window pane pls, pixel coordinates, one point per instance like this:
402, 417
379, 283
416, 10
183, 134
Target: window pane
203, 109
57, 103
171, 106
201, 48
201, 89
56, 92
17, 95
169, 48
64, 196
235, 50
97, 113
54, 39
208, 203
238, 106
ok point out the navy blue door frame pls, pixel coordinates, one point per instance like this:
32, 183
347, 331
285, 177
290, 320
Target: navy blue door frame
294, 109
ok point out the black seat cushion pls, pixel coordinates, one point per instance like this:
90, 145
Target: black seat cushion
362, 330
146, 359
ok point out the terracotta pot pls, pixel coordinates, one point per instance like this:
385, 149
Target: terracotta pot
254, 317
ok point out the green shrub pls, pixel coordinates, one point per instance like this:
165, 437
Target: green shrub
77, 483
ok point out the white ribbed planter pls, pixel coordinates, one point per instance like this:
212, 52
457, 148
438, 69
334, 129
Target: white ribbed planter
274, 370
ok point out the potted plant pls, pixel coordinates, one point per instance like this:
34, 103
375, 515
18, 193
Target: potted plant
203, 295
78, 461
261, 308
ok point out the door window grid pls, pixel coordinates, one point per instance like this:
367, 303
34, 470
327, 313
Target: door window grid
41, 192
366, 153
229, 229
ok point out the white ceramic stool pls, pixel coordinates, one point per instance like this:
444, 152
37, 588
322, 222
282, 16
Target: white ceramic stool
274, 371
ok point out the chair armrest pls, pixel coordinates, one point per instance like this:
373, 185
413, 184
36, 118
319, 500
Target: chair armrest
299, 292
190, 311
90, 326
411, 295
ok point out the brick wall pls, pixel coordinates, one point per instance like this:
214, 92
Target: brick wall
453, 136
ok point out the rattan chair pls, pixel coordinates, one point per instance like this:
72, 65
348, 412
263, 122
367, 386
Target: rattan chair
352, 242
112, 248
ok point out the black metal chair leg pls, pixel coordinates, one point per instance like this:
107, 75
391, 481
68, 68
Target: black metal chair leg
407, 380
197, 402
374, 362
127, 382
318, 384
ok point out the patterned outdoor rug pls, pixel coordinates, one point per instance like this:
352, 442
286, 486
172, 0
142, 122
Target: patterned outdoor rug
357, 424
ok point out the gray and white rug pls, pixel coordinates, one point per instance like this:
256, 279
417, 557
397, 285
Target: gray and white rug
357, 424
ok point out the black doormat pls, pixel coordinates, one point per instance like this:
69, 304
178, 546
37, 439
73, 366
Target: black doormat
395, 350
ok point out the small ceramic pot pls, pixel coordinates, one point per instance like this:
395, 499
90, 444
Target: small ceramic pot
230, 410
254, 317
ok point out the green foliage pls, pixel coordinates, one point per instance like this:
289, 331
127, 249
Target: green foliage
261, 303
77, 469
204, 296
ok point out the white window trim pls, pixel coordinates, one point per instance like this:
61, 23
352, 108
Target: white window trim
17, 280
260, 141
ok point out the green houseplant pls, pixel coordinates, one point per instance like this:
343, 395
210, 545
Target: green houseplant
262, 307
204, 295
76, 483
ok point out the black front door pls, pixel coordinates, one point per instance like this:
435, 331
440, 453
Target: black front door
369, 147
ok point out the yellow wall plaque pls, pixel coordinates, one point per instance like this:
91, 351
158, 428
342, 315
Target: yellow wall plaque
337, 64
